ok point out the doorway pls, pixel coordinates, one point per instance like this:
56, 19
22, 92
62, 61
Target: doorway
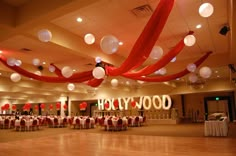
218, 105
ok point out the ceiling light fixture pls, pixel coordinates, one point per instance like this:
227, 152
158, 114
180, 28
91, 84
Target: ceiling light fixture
120, 43
79, 19
198, 26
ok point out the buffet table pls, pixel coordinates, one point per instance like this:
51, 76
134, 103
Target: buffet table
216, 127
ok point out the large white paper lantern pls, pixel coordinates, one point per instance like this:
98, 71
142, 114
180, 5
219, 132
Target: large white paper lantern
67, 72
191, 67
109, 44
38, 73
206, 10
18, 63
192, 78
189, 40
11, 61
70, 86
15, 77
36, 61
114, 82
98, 72
44, 35
173, 59
89, 38
205, 72
51, 68
161, 71
98, 60
156, 52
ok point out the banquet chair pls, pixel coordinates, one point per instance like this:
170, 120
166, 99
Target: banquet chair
64, 122
119, 125
87, 123
129, 122
77, 124
34, 125
49, 123
136, 121
110, 126
22, 125
55, 123
12, 124
6, 123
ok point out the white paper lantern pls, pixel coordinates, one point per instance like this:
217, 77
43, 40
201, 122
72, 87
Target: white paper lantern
36, 61
11, 61
98, 60
173, 60
89, 38
127, 83
140, 82
191, 67
206, 10
192, 78
109, 44
189, 40
44, 35
98, 72
156, 52
51, 68
18, 63
161, 71
67, 72
15, 77
38, 73
205, 72
114, 82
70, 86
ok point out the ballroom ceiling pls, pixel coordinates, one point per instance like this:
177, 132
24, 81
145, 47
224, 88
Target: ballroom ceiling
20, 21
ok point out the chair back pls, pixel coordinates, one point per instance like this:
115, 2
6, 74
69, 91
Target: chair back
55, 121
87, 121
77, 121
129, 120
22, 122
6, 121
109, 122
34, 122
119, 122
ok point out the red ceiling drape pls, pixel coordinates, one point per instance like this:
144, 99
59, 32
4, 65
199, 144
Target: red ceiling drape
146, 40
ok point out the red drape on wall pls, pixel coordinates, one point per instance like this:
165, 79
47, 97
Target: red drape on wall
146, 40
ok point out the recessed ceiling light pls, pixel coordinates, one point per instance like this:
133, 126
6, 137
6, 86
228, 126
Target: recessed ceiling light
74, 70
0, 51
216, 71
44, 62
0, 73
198, 26
218, 75
79, 19
120, 43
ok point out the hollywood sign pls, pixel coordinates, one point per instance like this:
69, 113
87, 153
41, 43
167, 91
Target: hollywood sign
147, 102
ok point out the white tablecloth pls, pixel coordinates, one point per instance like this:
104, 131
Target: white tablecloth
216, 128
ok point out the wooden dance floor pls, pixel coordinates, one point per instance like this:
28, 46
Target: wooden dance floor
85, 143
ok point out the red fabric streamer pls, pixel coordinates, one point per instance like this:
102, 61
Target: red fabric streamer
160, 63
78, 77
173, 76
144, 44
94, 82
